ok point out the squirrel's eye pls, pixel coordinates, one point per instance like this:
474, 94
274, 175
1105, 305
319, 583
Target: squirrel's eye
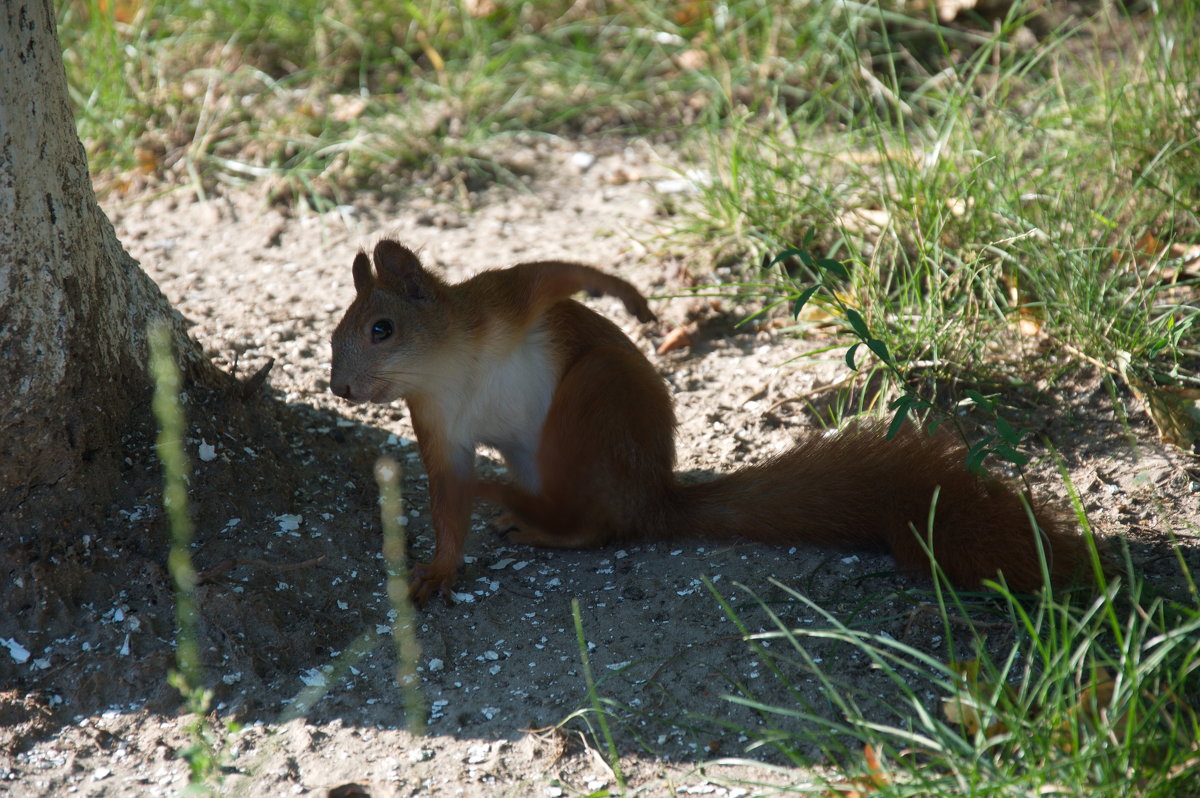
381, 330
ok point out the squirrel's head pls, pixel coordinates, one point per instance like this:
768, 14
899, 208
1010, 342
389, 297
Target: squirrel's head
383, 342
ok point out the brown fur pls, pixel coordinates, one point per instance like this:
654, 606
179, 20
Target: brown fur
594, 455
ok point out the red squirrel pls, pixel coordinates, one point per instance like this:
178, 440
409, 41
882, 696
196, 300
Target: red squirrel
586, 426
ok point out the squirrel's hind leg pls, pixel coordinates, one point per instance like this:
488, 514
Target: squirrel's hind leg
531, 520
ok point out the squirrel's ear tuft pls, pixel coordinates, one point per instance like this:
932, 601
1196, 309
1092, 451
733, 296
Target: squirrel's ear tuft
400, 270
362, 273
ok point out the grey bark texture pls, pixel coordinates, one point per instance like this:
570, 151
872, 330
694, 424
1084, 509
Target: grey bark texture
74, 306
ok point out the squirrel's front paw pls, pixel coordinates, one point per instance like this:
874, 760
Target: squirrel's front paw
428, 579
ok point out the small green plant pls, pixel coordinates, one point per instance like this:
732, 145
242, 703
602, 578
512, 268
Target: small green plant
599, 711
408, 649
830, 274
207, 736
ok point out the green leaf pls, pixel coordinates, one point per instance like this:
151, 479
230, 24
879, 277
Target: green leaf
850, 357
910, 399
1005, 452
782, 256
831, 265
881, 351
1011, 436
802, 299
980, 400
857, 324
898, 420
977, 453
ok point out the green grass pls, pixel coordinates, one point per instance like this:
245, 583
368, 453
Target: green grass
1093, 699
1086, 693
1070, 695
330, 96
1056, 185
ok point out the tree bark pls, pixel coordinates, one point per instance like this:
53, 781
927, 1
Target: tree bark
74, 306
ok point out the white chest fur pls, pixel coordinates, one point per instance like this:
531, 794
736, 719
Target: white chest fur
503, 403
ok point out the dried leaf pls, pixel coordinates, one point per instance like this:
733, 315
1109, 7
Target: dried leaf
1028, 325
678, 338
1141, 256
877, 777
691, 12
148, 160
860, 787
1149, 245
1029, 315
1090, 710
122, 11
1174, 410
963, 709
435, 58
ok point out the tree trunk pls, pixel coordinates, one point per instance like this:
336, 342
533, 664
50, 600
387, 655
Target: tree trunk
74, 306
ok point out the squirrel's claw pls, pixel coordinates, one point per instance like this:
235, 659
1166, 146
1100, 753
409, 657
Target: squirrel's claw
428, 580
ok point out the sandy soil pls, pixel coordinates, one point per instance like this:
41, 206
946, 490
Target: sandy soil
293, 580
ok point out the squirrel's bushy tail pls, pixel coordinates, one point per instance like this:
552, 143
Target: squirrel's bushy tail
858, 489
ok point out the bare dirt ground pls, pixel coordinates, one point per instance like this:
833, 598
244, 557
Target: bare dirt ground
292, 579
